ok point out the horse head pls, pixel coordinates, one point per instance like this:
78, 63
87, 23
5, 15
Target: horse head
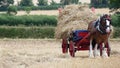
104, 25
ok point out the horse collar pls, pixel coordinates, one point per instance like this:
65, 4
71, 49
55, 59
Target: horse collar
98, 28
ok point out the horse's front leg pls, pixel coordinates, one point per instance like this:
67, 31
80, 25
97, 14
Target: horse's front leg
91, 50
104, 52
96, 51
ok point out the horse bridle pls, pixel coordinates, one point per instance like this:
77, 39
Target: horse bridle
99, 26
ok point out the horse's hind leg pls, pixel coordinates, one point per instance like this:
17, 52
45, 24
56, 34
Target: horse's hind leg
91, 50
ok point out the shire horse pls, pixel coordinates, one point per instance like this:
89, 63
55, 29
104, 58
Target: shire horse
99, 31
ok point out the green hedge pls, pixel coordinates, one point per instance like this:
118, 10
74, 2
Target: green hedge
36, 20
27, 32
116, 20
48, 7
3, 8
116, 33
36, 32
99, 6
116, 24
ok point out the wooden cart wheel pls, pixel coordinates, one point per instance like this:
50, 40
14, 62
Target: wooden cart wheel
72, 49
64, 46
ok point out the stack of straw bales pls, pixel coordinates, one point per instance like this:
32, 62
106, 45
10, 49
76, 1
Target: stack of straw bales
71, 18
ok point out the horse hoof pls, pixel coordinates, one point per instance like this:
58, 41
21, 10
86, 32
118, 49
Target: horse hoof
105, 55
98, 57
91, 56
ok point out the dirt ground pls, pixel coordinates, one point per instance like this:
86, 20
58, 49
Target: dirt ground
40, 12
46, 53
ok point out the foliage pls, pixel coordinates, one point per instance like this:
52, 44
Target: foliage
27, 9
27, 32
116, 24
74, 1
99, 3
12, 10
42, 2
10, 1
67, 2
6, 2
3, 8
26, 3
36, 20
114, 4
116, 20
48, 7
53, 2
116, 33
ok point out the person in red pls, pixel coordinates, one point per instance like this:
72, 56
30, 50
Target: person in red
93, 9
60, 10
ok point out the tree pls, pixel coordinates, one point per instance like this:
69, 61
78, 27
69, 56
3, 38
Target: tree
26, 3
10, 1
12, 10
74, 1
42, 2
104, 1
67, 2
114, 4
27, 9
99, 3
4, 3
53, 2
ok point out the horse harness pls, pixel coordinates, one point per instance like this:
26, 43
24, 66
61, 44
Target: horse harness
97, 26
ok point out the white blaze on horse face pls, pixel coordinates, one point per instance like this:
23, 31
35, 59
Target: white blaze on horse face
107, 24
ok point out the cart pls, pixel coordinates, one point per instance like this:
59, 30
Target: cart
79, 41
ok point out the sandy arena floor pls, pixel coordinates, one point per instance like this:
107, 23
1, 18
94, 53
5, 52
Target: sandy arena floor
41, 53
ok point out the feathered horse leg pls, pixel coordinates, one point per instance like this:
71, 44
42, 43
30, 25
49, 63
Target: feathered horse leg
104, 52
91, 50
96, 51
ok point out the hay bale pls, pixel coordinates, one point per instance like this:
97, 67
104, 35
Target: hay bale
71, 18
